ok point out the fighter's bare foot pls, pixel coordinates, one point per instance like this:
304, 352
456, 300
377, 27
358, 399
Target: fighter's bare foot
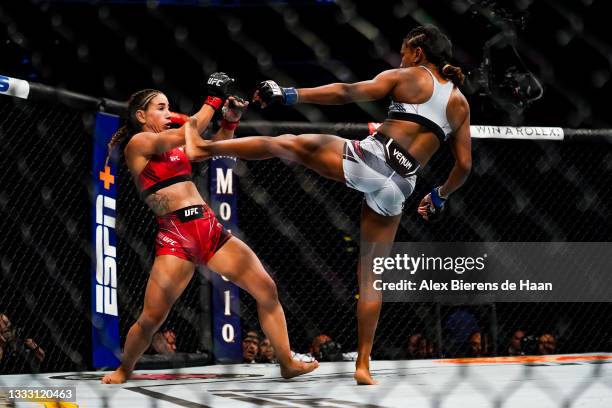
363, 377
298, 368
119, 376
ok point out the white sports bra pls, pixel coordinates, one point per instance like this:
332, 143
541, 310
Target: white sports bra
431, 114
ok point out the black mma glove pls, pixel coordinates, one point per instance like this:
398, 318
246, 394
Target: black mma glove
218, 88
270, 92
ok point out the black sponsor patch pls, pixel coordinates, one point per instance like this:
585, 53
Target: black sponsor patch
397, 158
193, 212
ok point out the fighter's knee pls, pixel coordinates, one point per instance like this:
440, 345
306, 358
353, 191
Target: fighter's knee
271, 289
150, 322
270, 292
301, 146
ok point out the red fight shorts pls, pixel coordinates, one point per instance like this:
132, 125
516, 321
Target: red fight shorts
191, 233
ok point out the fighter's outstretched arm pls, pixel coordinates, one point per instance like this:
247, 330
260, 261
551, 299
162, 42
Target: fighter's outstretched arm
341, 93
380, 86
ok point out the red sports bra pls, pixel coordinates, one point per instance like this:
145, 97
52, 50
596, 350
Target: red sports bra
164, 170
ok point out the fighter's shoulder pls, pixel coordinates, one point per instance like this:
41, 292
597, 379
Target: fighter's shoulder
139, 139
414, 75
142, 143
458, 101
411, 72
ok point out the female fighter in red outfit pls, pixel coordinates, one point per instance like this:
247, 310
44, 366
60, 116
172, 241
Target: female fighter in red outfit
189, 233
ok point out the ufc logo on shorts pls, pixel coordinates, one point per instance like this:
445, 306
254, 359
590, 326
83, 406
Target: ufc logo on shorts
191, 211
168, 240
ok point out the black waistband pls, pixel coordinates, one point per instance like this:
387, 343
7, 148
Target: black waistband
165, 183
397, 157
193, 212
421, 120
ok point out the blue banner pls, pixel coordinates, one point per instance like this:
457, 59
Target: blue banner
227, 336
104, 307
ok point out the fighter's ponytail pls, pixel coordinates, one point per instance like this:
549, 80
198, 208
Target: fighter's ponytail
453, 73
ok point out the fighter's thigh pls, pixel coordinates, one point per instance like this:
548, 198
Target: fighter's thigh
376, 227
169, 277
238, 263
319, 152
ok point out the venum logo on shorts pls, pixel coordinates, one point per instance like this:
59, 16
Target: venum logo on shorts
106, 257
401, 159
174, 158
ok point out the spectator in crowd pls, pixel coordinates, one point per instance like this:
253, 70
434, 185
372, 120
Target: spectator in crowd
2, 346
478, 344
250, 347
426, 348
7, 334
315, 345
547, 344
324, 348
253, 333
164, 342
514, 348
266, 352
412, 346
13, 346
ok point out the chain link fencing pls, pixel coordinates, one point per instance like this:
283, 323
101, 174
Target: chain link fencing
306, 231
45, 245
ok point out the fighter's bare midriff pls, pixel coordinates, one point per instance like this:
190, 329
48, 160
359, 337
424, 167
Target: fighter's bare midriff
174, 197
418, 140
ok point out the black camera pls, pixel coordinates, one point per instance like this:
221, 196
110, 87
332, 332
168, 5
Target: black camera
503, 77
529, 345
330, 351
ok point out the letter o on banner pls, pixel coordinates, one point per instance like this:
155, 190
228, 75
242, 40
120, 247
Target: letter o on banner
225, 211
228, 332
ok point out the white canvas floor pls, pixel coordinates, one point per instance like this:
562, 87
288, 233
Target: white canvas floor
551, 381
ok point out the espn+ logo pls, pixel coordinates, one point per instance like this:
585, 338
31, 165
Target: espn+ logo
106, 258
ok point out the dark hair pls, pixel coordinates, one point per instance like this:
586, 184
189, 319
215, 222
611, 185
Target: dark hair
437, 48
138, 101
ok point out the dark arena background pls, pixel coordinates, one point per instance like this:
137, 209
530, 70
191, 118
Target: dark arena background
531, 65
